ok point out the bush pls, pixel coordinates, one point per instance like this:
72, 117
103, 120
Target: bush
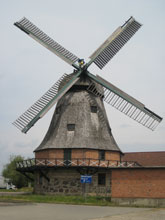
15, 177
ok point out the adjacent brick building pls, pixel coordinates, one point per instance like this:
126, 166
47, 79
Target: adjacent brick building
156, 158
144, 185
138, 183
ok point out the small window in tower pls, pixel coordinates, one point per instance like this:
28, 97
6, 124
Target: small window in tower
101, 154
58, 109
71, 127
101, 179
93, 109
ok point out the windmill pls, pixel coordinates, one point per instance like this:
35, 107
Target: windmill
79, 135
112, 95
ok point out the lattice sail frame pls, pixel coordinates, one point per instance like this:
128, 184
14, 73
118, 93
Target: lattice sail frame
43, 105
33, 31
114, 43
125, 103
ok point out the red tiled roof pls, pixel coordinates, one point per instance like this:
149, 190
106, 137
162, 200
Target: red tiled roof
146, 158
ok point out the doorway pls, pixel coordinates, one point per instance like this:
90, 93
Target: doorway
67, 156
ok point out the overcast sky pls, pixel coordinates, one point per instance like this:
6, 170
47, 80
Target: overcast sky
27, 69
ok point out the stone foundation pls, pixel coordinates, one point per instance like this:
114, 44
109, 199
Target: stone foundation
67, 182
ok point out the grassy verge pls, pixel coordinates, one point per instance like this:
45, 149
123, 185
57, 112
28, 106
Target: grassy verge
25, 189
79, 200
74, 200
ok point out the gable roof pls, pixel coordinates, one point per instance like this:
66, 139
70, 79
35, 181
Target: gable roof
156, 158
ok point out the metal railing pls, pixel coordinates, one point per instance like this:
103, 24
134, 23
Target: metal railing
85, 162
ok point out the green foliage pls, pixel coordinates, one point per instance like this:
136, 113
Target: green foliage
23, 189
59, 199
14, 176
74, 200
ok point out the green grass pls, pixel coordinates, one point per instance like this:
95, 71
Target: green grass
79, 200
74, 200
25, 189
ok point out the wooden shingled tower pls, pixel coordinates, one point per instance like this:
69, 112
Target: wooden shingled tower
80, 121
79, 140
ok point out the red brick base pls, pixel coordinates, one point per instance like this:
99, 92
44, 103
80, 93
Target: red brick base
138, 183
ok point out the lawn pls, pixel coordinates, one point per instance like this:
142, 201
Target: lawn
79, 200
25, 189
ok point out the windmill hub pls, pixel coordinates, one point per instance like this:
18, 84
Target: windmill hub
81, 63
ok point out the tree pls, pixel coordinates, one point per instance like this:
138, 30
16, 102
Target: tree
14, 176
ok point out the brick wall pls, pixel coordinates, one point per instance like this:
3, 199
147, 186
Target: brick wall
138, 183
146, 158
92, 154
110, 155
42, 154
52, 153
77, 153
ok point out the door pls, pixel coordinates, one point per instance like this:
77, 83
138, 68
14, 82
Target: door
67, 156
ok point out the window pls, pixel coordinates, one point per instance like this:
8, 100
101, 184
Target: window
101, 179
67, 156
58, 109
71, 127
40, 179
94, 109
101, 154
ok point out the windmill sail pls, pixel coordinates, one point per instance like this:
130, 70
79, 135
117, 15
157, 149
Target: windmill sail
125, 103
43, 105
25, 25
112, 95
114, 43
